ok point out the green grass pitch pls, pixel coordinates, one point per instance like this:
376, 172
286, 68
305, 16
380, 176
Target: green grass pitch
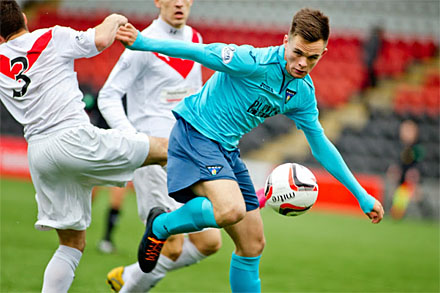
316, 252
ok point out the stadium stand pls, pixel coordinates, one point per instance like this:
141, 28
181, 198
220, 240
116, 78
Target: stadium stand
362, 122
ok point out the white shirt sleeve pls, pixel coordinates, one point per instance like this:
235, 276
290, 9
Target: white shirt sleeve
74, 44
126, 71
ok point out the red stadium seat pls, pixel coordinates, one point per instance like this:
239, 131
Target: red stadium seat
340, 74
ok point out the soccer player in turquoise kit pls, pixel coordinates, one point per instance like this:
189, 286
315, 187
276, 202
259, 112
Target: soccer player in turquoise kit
204, 166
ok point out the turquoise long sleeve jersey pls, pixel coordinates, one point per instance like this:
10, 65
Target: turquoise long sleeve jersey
249, 85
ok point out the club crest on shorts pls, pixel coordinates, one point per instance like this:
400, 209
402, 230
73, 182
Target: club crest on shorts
289, 95
214, 170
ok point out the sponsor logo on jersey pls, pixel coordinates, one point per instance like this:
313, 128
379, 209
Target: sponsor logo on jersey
266, 87
214, 170
289, 95
79, 38
261, 108
227, 54
172, 95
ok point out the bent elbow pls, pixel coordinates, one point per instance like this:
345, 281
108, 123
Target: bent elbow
102, 43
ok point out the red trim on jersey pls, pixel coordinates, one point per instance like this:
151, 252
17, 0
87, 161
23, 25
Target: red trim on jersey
38, 47
182, 66
32, 56
5, 63
196, 37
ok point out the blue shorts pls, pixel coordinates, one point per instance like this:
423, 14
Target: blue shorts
192, 157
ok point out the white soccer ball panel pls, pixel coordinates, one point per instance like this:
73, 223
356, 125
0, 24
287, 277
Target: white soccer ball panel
291, 189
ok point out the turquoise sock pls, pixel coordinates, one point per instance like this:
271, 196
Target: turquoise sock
195, 215
244, 274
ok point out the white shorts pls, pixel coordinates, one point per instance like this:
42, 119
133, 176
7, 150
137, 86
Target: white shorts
150, 184
67, 164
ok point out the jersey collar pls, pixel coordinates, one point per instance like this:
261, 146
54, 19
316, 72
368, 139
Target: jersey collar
170, 30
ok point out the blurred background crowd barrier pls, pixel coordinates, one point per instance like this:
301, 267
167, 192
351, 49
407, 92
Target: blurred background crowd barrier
382, 69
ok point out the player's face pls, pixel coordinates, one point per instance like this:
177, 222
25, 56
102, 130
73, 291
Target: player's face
301, 56
174, 12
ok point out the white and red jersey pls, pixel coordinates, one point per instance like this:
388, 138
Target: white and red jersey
38, 84
153, 83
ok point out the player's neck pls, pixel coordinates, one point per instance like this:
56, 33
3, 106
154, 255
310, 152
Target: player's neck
170, 25
16, 35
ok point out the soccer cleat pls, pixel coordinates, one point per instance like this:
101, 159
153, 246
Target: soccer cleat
150, 246
114, 279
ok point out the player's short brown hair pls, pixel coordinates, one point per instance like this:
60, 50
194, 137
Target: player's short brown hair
12, 19
310, 24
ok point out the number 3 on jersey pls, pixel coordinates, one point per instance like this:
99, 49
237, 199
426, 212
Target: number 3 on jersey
13, 70
20, 77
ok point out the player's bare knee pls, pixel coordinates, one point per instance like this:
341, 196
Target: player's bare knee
173, 253
80, 245
157, 153
259, 245
230, 215
253, 247
72, 238
209, 246
163, 152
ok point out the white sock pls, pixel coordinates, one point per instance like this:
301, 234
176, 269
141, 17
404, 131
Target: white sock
190, 255
129, 271
60, 271
137, 281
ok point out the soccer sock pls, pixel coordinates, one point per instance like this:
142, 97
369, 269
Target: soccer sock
112, 219
195, 215
244, 274
190, 255
137, 281
142, 282
128, 271
60, 271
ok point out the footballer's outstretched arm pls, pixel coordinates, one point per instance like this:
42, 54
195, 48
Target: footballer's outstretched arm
105, 32
327, 154
231, 59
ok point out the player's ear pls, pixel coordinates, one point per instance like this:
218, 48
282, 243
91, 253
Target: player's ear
25, 19
157, 3
285, 40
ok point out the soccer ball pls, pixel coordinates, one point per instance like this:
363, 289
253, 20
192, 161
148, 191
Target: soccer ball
291, 189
